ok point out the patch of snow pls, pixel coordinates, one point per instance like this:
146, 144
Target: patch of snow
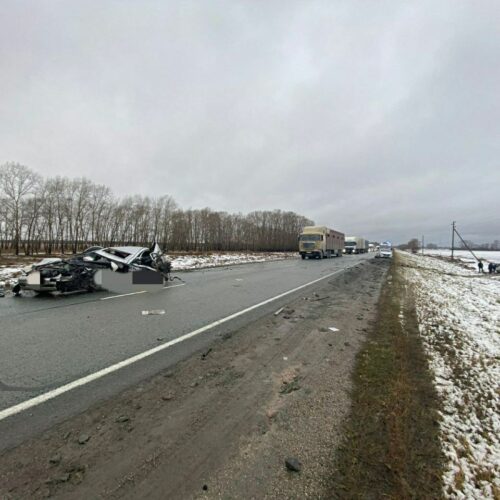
9, 275
186, 262
459, 321
466, 258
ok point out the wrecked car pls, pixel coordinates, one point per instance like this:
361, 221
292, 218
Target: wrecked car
87, 271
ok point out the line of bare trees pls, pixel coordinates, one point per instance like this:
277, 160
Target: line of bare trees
62, 215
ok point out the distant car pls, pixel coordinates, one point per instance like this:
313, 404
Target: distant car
79, 272
384, 252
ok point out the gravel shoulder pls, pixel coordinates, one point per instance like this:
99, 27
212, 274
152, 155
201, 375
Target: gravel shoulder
222, 422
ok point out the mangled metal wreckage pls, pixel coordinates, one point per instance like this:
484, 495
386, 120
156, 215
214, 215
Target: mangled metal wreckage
91, 270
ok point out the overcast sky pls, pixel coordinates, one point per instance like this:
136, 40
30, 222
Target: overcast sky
375, 118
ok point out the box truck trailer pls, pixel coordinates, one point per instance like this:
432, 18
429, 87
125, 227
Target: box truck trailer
355, 244
320, 242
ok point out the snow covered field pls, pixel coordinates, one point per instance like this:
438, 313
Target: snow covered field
185, 262
459, 320
466, 258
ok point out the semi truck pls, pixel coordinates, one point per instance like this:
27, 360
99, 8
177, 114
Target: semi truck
355, 244
320, 242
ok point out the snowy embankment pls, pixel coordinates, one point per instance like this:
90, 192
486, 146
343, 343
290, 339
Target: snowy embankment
185, 262
9, 274
466, 258
459, 321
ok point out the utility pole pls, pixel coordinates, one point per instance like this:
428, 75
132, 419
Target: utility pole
423, 244
465, 245
453, 240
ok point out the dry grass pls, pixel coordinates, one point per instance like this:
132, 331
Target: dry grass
391, 449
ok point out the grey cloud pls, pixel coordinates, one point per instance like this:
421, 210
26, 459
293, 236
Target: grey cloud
379, 118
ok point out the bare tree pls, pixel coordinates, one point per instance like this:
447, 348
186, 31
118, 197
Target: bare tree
69, 214
17, 182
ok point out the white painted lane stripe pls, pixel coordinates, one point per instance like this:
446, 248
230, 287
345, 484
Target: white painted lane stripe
123, 295
173, 286
30, 403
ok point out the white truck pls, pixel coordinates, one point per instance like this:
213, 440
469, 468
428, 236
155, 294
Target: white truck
320, 242
355, 244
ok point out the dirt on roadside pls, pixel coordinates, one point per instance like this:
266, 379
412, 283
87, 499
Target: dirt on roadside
221, 423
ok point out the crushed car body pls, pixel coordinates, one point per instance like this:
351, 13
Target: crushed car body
90, 270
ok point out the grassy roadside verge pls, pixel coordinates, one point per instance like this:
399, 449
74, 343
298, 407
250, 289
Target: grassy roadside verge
391, 447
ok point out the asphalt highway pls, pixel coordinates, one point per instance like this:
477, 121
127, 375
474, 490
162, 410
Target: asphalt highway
49, 342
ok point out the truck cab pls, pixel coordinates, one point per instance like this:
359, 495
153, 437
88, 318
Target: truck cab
320, 242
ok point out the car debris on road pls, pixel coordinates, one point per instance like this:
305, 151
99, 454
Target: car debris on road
86, 271
153, 312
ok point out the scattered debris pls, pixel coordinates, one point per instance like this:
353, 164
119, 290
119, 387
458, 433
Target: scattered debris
204, 487
122, 419
168, 397
285, 358
83, 438
62, 478
333, 329
279, 311
320, 298
288, 387
292, 464
206, 353
160, 339
193, 385
55, 459
153, 312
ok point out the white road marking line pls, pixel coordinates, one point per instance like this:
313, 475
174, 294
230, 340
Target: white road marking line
123, 295
30, 403
173, 286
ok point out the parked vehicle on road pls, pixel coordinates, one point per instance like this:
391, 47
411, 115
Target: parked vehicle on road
320, 242
385, 250
356, 244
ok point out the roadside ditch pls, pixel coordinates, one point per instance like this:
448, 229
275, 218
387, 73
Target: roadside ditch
391, 447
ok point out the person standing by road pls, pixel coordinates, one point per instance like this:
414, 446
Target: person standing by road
490, 267
480, 266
